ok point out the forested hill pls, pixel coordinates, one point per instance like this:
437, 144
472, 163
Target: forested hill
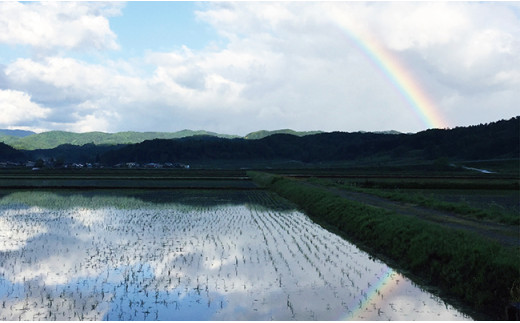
52, 139
28, 140
495, 140
8, 153
266, 133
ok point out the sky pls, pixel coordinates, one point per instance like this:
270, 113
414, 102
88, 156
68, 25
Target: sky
238, 67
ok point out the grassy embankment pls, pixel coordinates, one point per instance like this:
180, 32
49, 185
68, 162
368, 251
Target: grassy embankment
413, 191
481, 273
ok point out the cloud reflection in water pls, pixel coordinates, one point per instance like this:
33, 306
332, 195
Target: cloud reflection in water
174, 261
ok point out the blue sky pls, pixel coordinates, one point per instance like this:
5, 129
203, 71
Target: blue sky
161, 26
240, 67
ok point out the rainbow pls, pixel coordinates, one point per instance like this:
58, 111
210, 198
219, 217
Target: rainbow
380, 287
395, 71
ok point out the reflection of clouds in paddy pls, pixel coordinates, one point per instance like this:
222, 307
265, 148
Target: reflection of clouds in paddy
88, 217
14, 233
228, 262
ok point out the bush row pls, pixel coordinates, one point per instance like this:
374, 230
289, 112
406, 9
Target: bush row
477, 271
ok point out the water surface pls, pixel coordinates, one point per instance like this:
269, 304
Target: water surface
197, 255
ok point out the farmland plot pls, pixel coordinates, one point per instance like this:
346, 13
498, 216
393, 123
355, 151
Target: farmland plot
109, 257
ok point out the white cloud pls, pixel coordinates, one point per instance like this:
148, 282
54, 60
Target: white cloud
285, 65
293, 69
71, 78
466, 46
423, 26
97, 120
70, 25
17, 108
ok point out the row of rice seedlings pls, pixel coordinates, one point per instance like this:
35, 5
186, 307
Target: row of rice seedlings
273, 226
60, 240
352, 254
313, 238
142, 264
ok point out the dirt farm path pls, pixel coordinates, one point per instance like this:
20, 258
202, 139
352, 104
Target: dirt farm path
507, 235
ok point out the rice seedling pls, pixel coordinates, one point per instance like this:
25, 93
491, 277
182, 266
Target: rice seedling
110, 257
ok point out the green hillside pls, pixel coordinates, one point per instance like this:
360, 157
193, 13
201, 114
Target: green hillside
52, 139
265, 133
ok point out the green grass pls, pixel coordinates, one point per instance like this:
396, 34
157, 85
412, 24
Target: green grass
477, 271
492, 213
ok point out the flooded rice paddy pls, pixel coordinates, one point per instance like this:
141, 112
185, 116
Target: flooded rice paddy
175, 255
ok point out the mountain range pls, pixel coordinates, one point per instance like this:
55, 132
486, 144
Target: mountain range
15, 133
28, 140
485, 141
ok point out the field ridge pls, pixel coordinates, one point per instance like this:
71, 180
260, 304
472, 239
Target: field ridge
507, 235
475, 270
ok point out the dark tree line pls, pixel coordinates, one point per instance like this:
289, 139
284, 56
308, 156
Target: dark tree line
8, 153
495, 140
499, 139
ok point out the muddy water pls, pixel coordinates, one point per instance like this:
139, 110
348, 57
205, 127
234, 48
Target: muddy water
122, 258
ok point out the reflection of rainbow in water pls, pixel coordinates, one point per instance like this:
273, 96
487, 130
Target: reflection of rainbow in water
373, 294
393, 69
